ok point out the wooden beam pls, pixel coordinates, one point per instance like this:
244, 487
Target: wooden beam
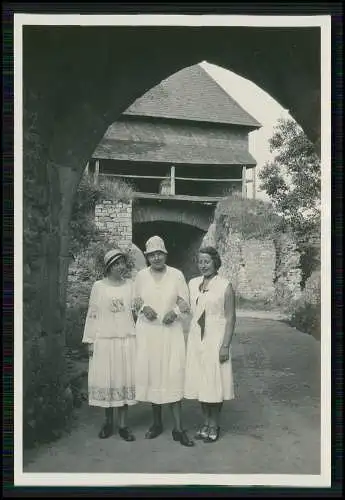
172, 180
87, 169
244, 185
194, 179
177, 197
254, 183
96, 174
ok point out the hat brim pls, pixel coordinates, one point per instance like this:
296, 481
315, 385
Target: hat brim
113, 260
157, 250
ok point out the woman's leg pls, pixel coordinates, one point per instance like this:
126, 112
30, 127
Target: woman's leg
205, 407
107, 427
177, 415
124, 431
157, 415
109, 416
122, 413
178, 433
157, 426
215, 409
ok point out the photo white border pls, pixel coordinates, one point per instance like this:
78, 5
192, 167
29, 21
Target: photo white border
113, 480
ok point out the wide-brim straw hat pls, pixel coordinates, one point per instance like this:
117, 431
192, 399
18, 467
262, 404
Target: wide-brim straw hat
112, 256
155, 244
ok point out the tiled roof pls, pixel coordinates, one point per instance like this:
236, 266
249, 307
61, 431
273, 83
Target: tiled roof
192, 94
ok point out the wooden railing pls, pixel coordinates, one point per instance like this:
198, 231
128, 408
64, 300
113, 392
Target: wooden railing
171, 180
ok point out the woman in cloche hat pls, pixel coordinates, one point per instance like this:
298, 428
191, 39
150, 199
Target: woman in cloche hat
110, 334
161, 295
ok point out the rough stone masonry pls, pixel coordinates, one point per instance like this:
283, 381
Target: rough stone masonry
115, 220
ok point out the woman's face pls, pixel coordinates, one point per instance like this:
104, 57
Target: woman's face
157, 260
206, 264
118, 268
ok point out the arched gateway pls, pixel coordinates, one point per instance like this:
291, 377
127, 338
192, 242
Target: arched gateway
183, 146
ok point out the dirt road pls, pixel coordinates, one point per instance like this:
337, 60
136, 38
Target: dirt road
272, 427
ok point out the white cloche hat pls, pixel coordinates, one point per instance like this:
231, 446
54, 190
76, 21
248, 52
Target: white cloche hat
155, 244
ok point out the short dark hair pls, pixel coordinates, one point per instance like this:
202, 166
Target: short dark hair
213, 253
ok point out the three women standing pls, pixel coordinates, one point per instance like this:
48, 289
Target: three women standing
147, 361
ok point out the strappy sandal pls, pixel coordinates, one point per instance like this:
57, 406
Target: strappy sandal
126, 434
213, 435
106, 431
154, 432
182, 437
202, 433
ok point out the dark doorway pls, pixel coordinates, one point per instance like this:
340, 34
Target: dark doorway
181, 240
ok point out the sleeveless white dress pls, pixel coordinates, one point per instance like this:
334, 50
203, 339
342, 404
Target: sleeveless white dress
110, 327
207, 380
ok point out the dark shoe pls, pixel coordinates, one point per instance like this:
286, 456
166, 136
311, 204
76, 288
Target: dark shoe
126, 434
202, 432
154, 432
106, 431
182, 437
213, 435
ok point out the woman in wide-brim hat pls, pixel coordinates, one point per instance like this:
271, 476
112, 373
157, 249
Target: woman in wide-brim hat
110, 334
161, 295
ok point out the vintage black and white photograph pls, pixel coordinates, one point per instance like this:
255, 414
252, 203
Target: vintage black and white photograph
172, 188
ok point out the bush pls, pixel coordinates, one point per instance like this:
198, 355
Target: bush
48, 398
307, 318
250, 218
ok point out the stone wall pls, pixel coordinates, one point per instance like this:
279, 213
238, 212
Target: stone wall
115, 220
249, 264
264, 269
288, 272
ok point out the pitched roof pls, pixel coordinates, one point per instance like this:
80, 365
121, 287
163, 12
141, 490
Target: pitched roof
192, 94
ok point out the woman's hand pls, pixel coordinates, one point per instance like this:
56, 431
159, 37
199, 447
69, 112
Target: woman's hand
169, 317
183, 306
149, 313
223, 354
90, 350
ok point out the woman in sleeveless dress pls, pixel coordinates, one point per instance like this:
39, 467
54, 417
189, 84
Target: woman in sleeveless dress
110, 334
209, 376
161, 295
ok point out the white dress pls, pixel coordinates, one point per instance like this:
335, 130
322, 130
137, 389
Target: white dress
110, 327
161, 350
207, 379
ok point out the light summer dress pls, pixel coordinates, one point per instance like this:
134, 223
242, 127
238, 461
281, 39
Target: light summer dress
110, 327
207, 380
161, 350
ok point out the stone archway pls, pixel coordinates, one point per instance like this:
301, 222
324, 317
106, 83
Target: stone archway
181, 240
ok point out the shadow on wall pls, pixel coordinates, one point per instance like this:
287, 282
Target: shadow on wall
181, 240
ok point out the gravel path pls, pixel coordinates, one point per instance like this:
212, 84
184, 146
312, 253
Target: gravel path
272, 427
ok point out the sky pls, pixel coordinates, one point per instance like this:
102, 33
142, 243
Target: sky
257, 103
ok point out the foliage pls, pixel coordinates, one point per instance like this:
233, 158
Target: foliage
83, 229
307, 318
251, 218
293, 179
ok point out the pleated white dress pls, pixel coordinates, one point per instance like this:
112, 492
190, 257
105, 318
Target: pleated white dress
110, 327
161, 349
207, 380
